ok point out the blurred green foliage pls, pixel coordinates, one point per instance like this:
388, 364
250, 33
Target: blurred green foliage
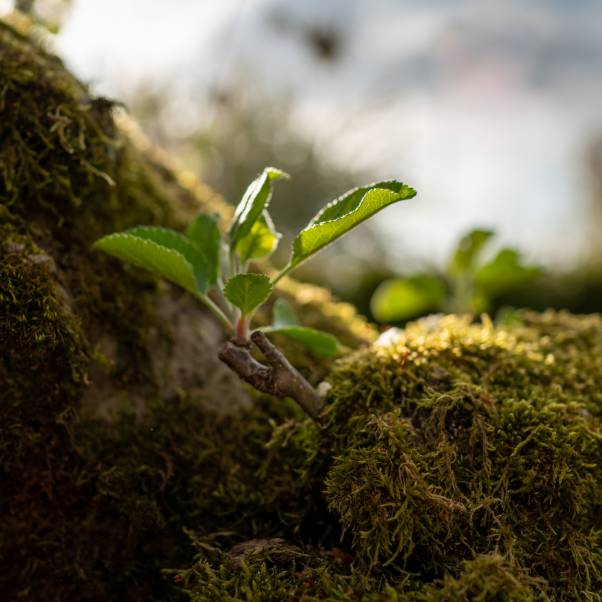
470, 283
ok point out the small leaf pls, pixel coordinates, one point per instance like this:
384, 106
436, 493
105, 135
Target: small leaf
203, 231
405, 298
504, 272
166, 262
344, 214
319, 342
467, 252
254, 201
283, 314
285, 322
261, 240
248, 291
171, 239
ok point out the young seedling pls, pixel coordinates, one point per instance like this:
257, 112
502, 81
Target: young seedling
469, 284
216, 270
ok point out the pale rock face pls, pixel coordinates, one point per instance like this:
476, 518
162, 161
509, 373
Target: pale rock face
192, 364
393, 335
388, 338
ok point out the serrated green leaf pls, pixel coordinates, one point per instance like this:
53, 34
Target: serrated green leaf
283, 314
145, 253
319, 342
504, 272
204, 232
261, 240
171, 239
405, 298
248, 291
344, 214
255, 199
466, 255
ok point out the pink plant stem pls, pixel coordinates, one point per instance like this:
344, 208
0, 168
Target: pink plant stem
242, 329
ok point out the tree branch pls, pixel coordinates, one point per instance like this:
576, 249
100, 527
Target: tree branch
278, 377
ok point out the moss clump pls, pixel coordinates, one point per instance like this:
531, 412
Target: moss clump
279, 571
67, 176
95, 510
460, 439
462, 462
487, 578
43, 357
320, 310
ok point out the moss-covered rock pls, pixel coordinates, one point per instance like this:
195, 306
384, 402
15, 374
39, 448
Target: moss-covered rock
462, 461
457, 460
94, 511
93, 508
43, 367
462, 439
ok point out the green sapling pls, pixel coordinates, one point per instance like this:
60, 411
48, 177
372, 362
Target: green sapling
216, 270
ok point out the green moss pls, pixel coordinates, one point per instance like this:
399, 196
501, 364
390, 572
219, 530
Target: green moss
95, 510
320, 310
43, 358
67, 176
462, 461
278, 571
487, 579
461, 439
271, 570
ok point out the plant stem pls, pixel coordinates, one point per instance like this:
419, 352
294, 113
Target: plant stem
242, 329
233, 265
282, 273
217, 311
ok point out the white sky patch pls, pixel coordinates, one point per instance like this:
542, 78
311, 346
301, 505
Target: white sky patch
484, 107
6, 6
121, 41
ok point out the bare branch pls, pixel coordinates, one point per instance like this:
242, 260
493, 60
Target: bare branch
278, 377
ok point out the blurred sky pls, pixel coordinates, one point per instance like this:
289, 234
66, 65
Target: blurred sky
486, 107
